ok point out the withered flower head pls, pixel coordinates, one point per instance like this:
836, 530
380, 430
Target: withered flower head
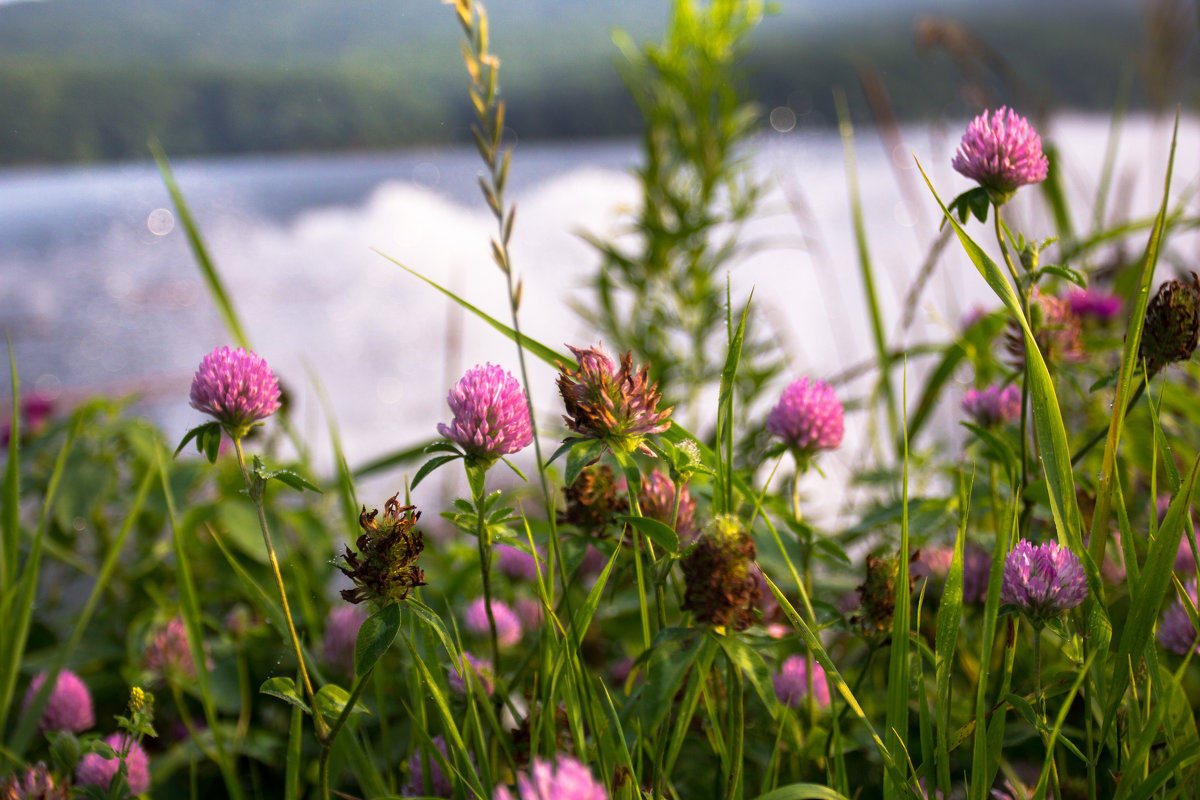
1172, 324
615, 405
1057, 330
877, 594
385, 568
593, 500
721, 588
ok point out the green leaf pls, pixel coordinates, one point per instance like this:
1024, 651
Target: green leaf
834, 549
802, 791
294, 480
658, 532
284, 689
973, 201
582, 453
375, 637
429, 466
332, 699
1066, 273
753, 666
208, 440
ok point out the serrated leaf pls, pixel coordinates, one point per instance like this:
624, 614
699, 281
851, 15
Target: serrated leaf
284, 689
375, 637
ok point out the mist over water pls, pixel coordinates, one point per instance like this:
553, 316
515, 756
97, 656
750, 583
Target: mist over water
100, 293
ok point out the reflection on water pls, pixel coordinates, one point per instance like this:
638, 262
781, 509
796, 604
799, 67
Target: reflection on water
99, 291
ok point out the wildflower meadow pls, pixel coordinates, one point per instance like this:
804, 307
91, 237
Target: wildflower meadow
641, 593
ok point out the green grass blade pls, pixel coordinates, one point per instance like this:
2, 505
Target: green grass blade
1152, 588
949, 618
1129, 363
864, 261
537, 348
19, 616
10, 532
291, 785
25, 728
391, 460
345, 481
193, 624
723, 503
898, 665
980, 780
1048, 426
1040, 791
450, 725
216, 286
837, 682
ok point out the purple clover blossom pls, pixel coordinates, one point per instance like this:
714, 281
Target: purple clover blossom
567, 779
69, 706
168, 652
35, 784
482, 674
341, 636
993, 406
1184, 561
1001, 153
491, 417
1042, 580
1175, 630
439, 784
96, 770
656, 497
508, 626
516, 563
236, 388
791, 682
1094, 304
808, 417
977, 567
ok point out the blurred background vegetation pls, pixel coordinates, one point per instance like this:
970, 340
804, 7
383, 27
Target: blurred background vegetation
84, 80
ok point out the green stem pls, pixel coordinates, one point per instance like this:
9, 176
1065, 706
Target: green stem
485, 567
186, 718
737, 730
1024, 295
339, 723
318, 723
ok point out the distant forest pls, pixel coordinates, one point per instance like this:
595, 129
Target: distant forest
80, 101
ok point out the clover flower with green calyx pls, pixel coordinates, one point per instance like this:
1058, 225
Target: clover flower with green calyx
491, 416
236, 388
384, 570
1001, 153
615, 405
720, 587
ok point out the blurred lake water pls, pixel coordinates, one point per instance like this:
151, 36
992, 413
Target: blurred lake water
99, 292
